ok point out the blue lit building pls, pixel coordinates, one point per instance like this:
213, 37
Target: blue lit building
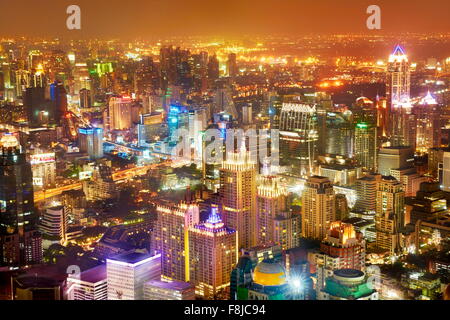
90, 141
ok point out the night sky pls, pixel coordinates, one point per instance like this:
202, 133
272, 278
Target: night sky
155, 18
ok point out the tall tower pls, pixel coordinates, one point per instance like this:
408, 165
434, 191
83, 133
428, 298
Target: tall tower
273, 224
20, 242
213, 253
390, 215
238, 195
366, 145
398, 86
298, 137
170, 237
318, 207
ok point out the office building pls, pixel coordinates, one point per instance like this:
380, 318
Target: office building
366, 145
20, 242
118, 114
390, 215
298, 138
238, 195
213, 253
53, 226
394, 158
168, 290
127, 273
170, 237
318, 207
90, 141
366, 193
429, 203
402, 124
270, 200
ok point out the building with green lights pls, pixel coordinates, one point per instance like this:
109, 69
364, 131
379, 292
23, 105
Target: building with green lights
348, 284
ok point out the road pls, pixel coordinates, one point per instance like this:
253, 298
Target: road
118, 175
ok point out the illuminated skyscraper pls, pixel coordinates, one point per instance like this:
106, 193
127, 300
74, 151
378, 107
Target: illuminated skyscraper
366, 193
118, 114
318, 207
366, 145
342, 248
212, 255
232, 69
402, 126
298, 138
428, 117
170, 237
238, 195
20, 242
90, 141
274, 225
390, 215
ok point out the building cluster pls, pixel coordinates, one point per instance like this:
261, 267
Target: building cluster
93, 178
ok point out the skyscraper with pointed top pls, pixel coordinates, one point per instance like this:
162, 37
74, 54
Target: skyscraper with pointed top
238, 195
213, 252
398, 85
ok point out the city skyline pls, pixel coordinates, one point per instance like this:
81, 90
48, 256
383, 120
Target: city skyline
241, 151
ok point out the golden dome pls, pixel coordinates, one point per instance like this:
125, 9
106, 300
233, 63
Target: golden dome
268, 273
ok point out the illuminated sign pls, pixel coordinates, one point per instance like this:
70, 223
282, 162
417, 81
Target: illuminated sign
38, 182
42, 158
85, 175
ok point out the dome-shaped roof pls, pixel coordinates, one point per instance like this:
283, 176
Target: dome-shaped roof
269, 273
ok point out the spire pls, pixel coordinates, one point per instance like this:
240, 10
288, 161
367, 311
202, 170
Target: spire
428, 99
398, 51
214, 217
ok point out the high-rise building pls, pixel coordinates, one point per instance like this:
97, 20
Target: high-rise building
127, 273
270, 201
366, 145
446, 172
429, 202
342, 248
366, 193
170, 237
238, 195
43, 167
20, 242
298, 138
85, 98
232, 69
318, 207
213, 253
58, 95
118, 114
90, 141
410, 179
394, 158
402, 124
390, 214
428, 117
54, 224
